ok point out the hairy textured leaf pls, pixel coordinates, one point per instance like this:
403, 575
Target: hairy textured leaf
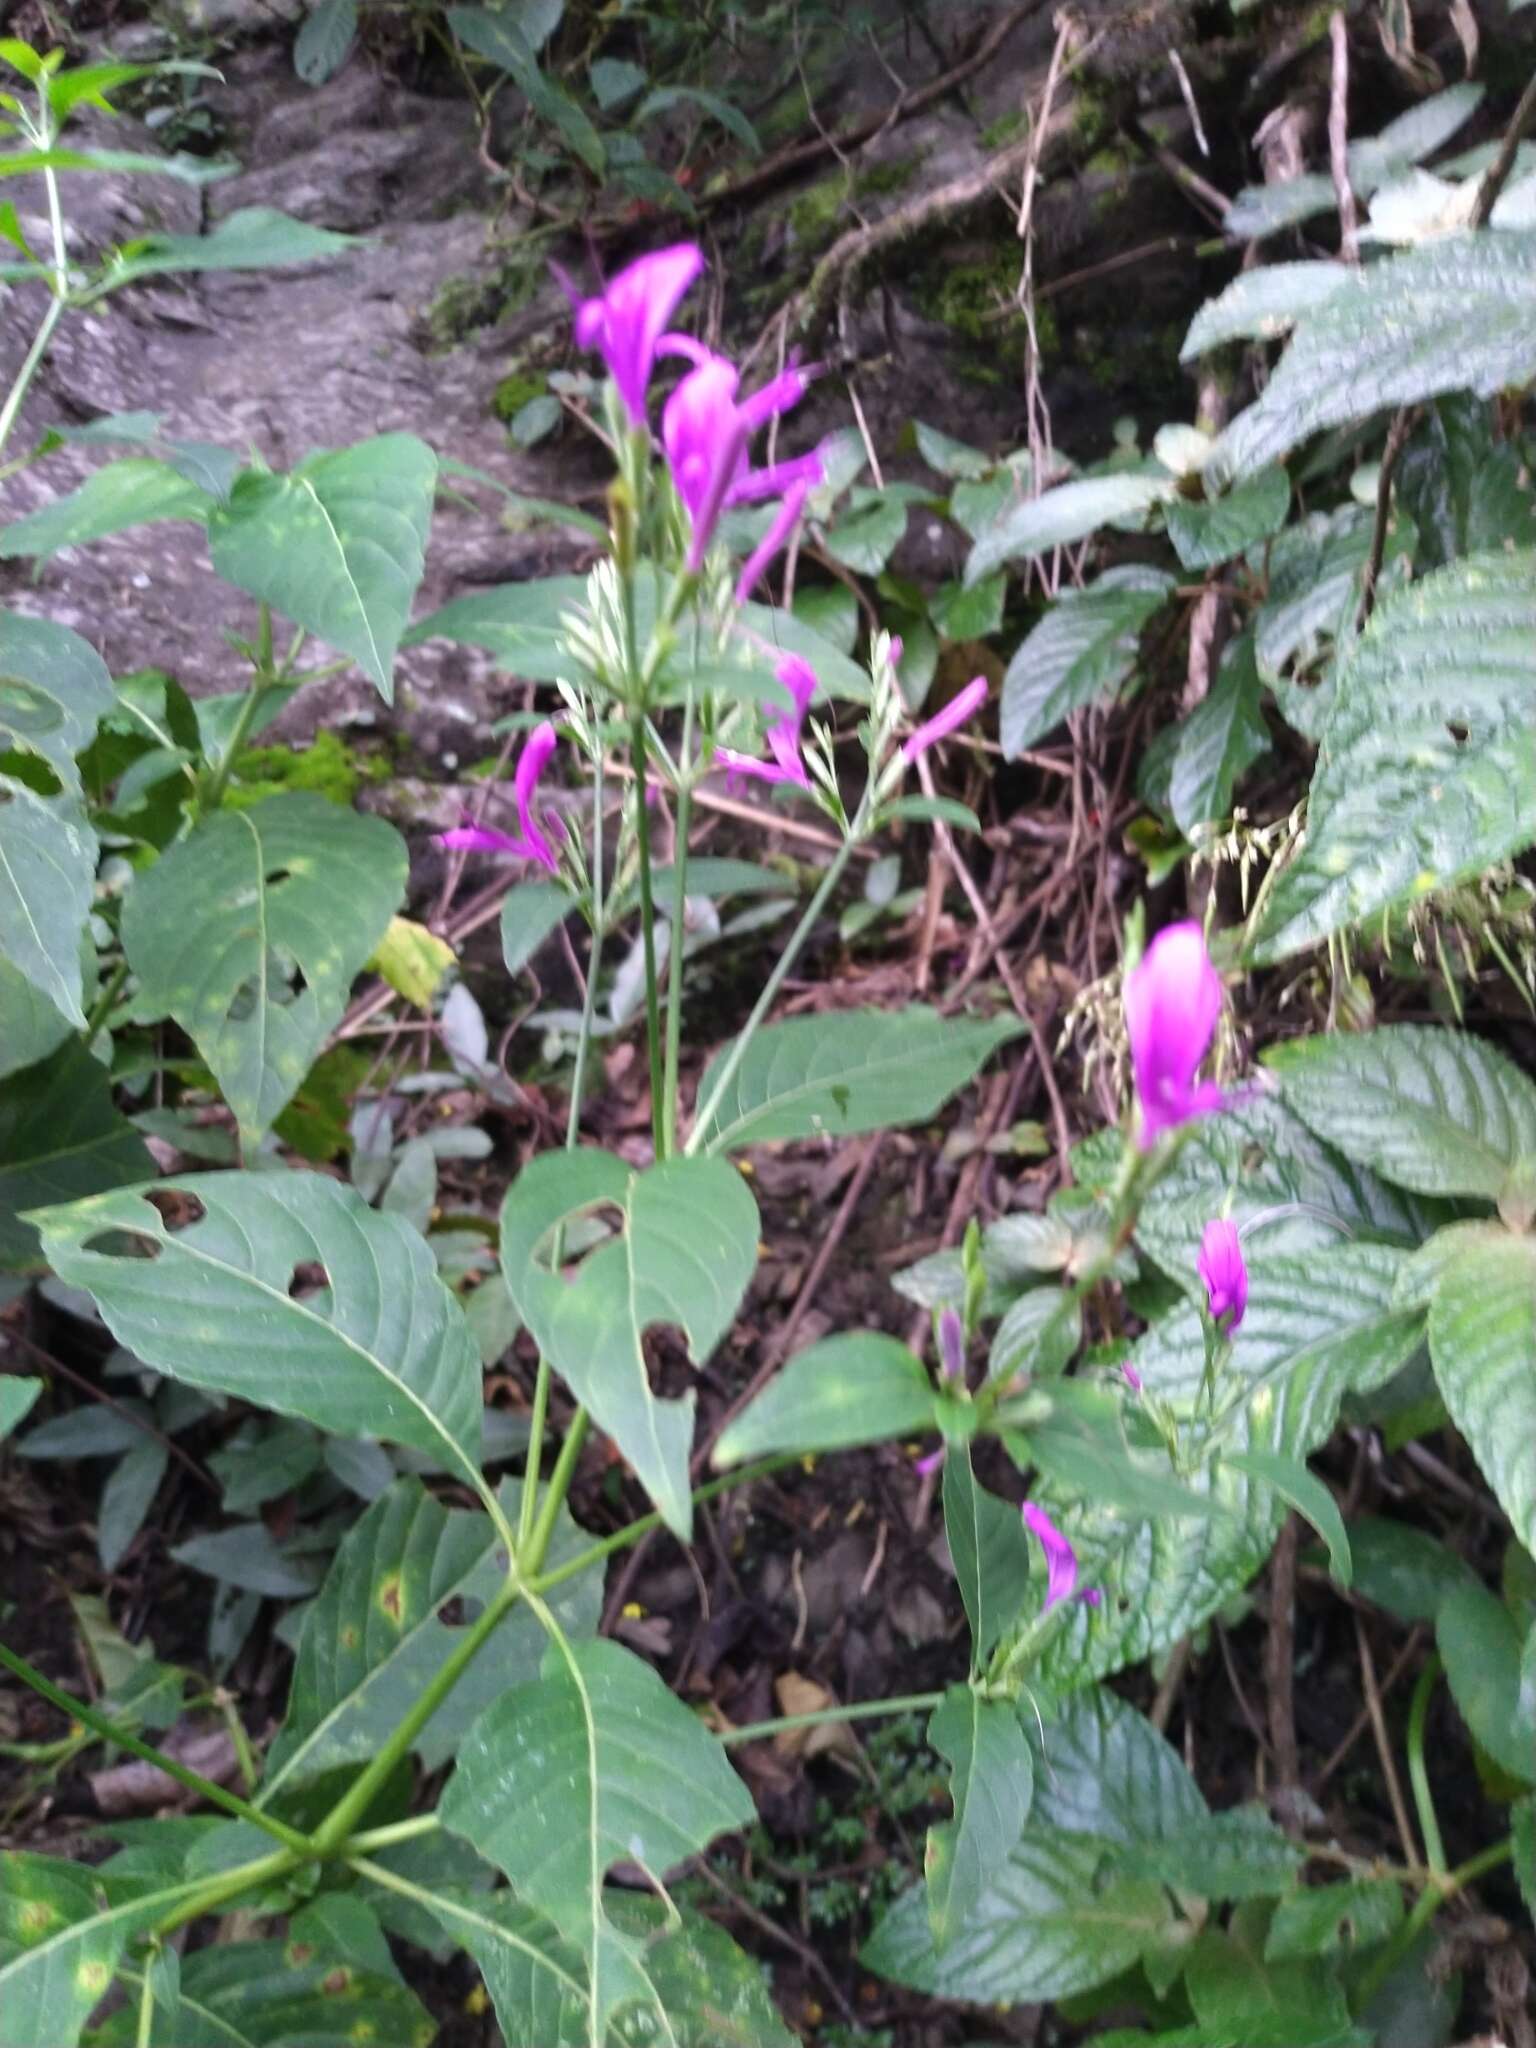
47, 870
1220, 739
338, 545
54, 687
1434, 1110
134, 492
1082, 652
1205, 531
384, 1351
251, 931
1070, 512
1456, 314
858, 1388
60, 1137
1482, 1339
1315, 568
855, 1070
593, 1763
1464, 491
1104, 1771
990, 1783
1262, 304
686, 1249
989, 1551
1427, 769
374, 1635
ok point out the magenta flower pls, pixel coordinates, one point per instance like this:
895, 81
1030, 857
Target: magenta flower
780, 527
951, 1345
1132, 1377
955, 714
530, 842
1060, 1560
706, 431
783, 736
1220, 1265
1172, 1002
627, 321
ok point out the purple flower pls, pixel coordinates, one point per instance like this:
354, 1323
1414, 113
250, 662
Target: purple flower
955, 714
929, 1465
1220, 1265
705, 431
1060, 1560
783, 736
627, 321
531, 842
780, 527
951, 1345
1132, 1377
1172, 1002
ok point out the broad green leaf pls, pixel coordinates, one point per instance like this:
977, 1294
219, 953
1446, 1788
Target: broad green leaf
991, 1780
858, 1388
1308, 1496
374, 1635
683, 1254
277, 1994
338, 545
1262, 210
246, 1556
1456, 314
865, 541
1403, 1569
325, 41
1262, 304
54, 688
497, 35
1059, 517
1465, 492
1092, 1462
948, 456
191, 170
1205, 531
1315, 568
126, 1498
251, 931
1427, 771
968, 614
47, 872
1040, 1334
34, 1027
1082, 652
134, 492
593, 1763
61, 1137
1239, 1854
989, 1551
61, 1935
1053, 1921
384, 1351
537, 1979
16, 1398
1480, 1645
1220, 739
254, 238
1438, 1111
1482, 1338
413, 960
1231, 1984
531, 912
850, 1071
1102, 1770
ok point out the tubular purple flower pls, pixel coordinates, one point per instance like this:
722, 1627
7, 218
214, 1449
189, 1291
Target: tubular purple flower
1060, 1557
1132, 1377
1172, 1002
780, 527
628, 319
531, 842
951, 1345
956, 713
783, 736
705, 431
1220, 1265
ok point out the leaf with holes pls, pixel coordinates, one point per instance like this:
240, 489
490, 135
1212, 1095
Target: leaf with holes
134, 492
1070, 512
1082, 652
860, 1070
593, 1763
60, 1137
1218, 742
683, 1254
1427, 767
47, 872
63, 1928
270, 1994
989, 1551
862, 1387
383, 1351
1482, 1339
376, 1634
338, 546
991, 1780
250, 934
1456, 314
54, 688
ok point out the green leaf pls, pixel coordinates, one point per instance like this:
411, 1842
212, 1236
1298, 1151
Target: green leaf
374, 1636
1455, 314
1434, 1110
384, 1351
1105, 1772
593, 1763
47, 872
1262, 210
1403, 1569
1334, 1917
1039, 1334
536, 1979
325, 41
1220, 739
1069, 513
857, 1070
499, 38
730, 117
16, 1398
251, 931
1262, 304
949, 456
968, 613
531, 912
1205, 531
1239, 1854
865, 541
54, 688
1315, 569
1082, 652
246, 1555
126, 1499
61, 1137
1481, 1647
254, 238
1428, 766
33, 1026
1231, 1984
338, 546
858, 1388
1307, 1495
191, 170
1464, 491
134, 492
989, 1551
990, 1784
60, 1940
683, 1255
274, 1994
1482, 1339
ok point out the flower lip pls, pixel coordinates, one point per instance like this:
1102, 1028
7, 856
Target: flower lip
531, 841
956, 713
1222, 1268
627, 321
1172, 1002
798, 678
1060, 1557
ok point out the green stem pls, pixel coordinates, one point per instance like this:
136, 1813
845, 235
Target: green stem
559, 1486
648, 936
536, 1420
145, 2028
109, 1731
219, 1891
45, 136
674, 1017
1425, 1907
704, 1113
261, 682
1429, 1825
866, 1710
387, 1837
354, 1803
102, 1008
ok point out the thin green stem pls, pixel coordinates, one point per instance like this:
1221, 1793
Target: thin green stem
265, 676
233, 1884
555, 1492
648, 935
102, 1008
1423, 1799
387, 1837
866, 1710
143, 2031
109, 1731
29, 368
1434, 1895
536, 1419
45, 135
730, 1065
674, 1017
